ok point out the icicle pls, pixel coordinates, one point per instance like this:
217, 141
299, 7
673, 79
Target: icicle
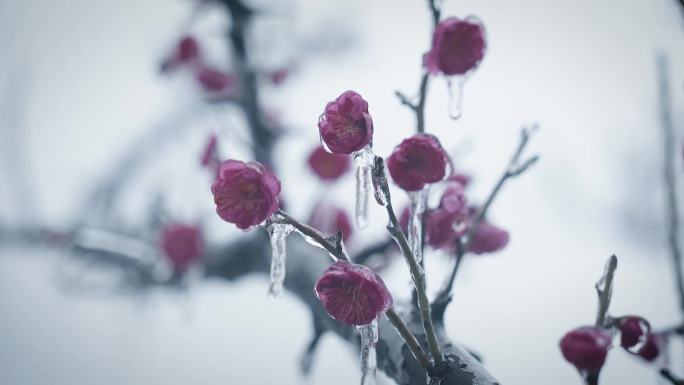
415, 234
369, 337
364, 162
278, 233
455, 87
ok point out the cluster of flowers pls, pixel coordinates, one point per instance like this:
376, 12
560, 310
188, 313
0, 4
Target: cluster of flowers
188, 54
587, 347
246, 194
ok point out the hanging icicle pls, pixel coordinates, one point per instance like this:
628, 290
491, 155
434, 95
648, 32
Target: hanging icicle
415, 234
278, 233
369, 338
364, 163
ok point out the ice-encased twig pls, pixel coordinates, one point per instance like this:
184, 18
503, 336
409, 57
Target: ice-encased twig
415, 233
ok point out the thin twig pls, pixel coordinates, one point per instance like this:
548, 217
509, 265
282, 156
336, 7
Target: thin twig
417, 273
671, 206
604, 290
514, 169
408, 337
665, 372
336, 249
419, 107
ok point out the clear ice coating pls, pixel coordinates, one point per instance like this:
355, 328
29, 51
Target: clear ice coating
415, 234
455, 87
369, 338
364, 162
645, 328
277, 232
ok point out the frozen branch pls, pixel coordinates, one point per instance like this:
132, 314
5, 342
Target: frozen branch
670, 160
515, 168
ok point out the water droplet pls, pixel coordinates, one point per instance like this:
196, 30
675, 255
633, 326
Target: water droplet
369, 338
277, 233
363, 159
455, 88
415, 234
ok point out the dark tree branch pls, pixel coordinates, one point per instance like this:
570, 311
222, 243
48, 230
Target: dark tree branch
666, 374
419, 106
670, 144
604, 290
251, 254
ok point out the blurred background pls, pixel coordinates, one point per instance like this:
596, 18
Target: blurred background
80, 85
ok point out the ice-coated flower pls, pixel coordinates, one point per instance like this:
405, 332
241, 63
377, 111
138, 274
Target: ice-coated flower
417, 161
345, 125
651, 349
182, 244
586, 348
352, 294
245, 194
458, 46
328, 166
187, 51
632, 330
331, 219
488, 239
213, 80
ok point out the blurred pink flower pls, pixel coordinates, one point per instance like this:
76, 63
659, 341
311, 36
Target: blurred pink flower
210, 158
182, 244
488, 239
187, 51
352, 294
212, 80
245, 194
328, 166
331, 219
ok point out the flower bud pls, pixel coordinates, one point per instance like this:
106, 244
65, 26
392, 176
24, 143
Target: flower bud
586, 348
632, 331
352, 294
417, 161
346, 125
328, 166
458, 46
212, 80
187, 51
245, 194
651, 349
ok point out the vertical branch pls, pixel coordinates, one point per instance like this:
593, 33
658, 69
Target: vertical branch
419, 107
263, 138
669, 165
514, 169
604, 290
